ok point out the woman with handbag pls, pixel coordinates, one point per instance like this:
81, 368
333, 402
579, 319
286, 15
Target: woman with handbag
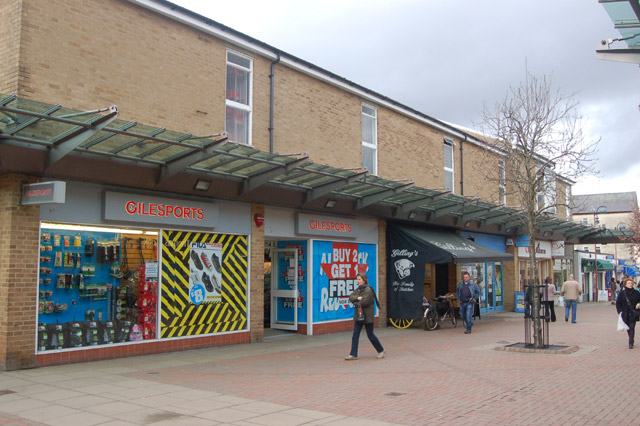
628, 304
363, 299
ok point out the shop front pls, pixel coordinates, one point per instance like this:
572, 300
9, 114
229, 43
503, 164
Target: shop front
311, 263
125, 273
429, 263
488, 275
544, 263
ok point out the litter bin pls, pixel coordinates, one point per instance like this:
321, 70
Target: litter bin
610, 294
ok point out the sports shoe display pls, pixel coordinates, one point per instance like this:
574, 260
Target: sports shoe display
216, 262
196, 259
216, 284
207, 282
205, 260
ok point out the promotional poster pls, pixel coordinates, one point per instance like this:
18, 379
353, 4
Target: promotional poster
335, 266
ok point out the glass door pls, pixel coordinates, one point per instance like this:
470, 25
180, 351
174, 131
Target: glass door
284, 289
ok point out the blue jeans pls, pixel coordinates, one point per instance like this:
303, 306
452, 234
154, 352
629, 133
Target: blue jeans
573, 305
357, 328
466, 312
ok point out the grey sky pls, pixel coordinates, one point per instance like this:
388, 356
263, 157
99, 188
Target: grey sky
448, 58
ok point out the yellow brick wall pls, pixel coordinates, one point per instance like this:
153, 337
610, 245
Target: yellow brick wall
9, 42
256, 285
19, 234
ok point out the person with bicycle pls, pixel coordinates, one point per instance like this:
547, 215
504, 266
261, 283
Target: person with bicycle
467, 292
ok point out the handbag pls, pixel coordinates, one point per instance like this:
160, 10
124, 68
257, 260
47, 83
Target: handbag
360, 314
622, 326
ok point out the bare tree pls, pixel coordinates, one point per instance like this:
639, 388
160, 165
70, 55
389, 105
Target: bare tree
539, 133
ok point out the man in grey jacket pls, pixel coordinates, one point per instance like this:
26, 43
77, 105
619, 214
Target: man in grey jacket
467, 292
571, 291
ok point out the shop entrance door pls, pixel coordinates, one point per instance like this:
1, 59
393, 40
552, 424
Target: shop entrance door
491, 286
284, 289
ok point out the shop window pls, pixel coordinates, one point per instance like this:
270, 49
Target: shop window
96, 286
370, 139
238, 98
100, 286
448, 165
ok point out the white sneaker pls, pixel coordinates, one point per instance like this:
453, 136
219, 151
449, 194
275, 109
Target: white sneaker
380, 355
350, 358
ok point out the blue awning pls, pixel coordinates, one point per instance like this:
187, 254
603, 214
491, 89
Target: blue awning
631, 271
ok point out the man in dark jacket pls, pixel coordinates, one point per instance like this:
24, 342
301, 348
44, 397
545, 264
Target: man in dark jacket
467, 292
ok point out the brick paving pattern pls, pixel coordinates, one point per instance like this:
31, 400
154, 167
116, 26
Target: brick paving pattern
437, 377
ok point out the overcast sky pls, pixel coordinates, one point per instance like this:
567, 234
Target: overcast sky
449, 58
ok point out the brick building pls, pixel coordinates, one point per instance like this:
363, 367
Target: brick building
262, 154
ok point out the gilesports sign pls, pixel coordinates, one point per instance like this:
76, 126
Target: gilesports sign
310, 224
122, 207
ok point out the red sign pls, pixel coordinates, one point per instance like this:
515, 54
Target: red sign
258, 219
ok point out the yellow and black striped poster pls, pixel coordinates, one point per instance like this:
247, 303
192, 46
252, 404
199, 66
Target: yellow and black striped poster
183, 312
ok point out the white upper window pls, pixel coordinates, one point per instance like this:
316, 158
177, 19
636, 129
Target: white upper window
502, 183
568, 201
239, 98
370, 139
448, 165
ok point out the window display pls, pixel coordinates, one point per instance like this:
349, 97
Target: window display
97, 286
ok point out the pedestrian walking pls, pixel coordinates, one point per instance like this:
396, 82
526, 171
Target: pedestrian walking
467, 293
365, 297
629, 303
571, 291
614, 290
547, 296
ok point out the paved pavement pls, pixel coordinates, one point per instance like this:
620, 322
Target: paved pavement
437, 377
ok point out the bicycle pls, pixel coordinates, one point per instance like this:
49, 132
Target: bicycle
442, 310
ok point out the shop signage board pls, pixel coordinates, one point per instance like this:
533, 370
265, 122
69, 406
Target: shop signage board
326, 226
43, 193
557, 248
335, 266
123, 207
543, 250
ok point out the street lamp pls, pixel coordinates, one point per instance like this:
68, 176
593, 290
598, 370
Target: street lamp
595, 250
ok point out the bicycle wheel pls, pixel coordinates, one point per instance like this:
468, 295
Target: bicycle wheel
454, 320
400, 323
431, 320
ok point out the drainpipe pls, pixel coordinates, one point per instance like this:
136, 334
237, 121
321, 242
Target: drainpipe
462, 166
271, 96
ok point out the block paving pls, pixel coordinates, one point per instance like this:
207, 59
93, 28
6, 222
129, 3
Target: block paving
427, 378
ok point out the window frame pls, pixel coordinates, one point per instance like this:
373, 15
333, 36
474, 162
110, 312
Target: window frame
370, 145
234, 105
448, 142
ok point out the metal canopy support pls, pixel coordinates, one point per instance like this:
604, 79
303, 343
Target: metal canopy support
322, 190
452, 208
141, 139
179, 164
67, 142
257, 180
367, 200
34, 120
108, 135
412, 205
499, 218
483, 211
582, 233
